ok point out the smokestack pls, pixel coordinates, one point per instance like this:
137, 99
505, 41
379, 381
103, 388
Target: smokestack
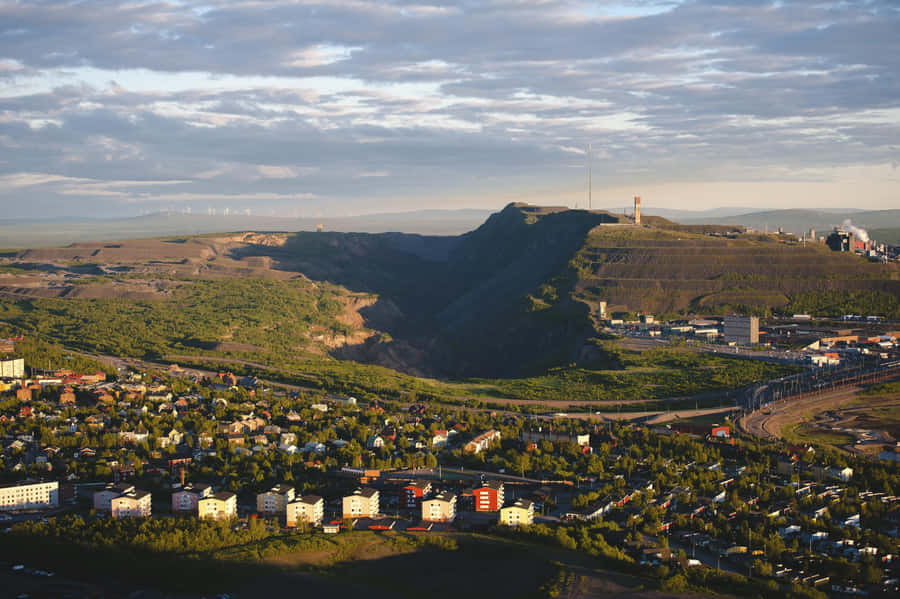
637, 210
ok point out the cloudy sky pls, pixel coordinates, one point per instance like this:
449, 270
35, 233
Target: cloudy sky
305, 107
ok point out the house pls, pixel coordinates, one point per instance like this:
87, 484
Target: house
415, 492
482, 441
186, 500
362, 503
554, 437
314, 447
440, 508
235, 438
104, 497
274, 501
288, 449
439, 439
132, 437
67, 397
374, 442
173, 438
133, 504
308, 509
518, 514
85, 452
489, 496
218, 506
841, 474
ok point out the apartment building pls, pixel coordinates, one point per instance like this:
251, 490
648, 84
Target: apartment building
29, 496
217, 506
489, 496
518, 514
440, 508
482, 442
415, 492
134, 504
274, 501
362, 503
186, 500
103, 498
308, 509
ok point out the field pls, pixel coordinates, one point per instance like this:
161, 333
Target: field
383, 564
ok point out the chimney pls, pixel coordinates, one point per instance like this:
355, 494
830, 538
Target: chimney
637, 210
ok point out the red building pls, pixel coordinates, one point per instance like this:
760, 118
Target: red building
414, 493
489, 496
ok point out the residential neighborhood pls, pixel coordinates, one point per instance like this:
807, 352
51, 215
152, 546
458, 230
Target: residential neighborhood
163, 446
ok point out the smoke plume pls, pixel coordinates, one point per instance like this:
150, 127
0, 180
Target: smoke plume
860, 234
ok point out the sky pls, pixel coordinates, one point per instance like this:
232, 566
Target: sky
330, 108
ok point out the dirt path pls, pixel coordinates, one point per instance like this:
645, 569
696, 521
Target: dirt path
769, 423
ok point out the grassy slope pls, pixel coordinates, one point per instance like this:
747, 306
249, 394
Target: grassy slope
279, 315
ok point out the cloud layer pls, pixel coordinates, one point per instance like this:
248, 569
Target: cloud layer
305, 107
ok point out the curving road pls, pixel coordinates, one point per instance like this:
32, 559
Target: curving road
768, 422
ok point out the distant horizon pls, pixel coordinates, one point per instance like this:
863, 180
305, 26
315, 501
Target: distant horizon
725, 211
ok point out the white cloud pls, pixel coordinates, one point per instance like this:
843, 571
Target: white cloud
427, 103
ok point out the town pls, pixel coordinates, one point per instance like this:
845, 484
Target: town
678, 498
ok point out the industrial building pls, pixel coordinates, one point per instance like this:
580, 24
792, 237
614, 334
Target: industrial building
743, 330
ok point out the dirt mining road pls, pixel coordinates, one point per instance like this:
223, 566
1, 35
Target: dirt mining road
770, 421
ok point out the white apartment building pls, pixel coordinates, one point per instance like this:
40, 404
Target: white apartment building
309, 509
134, 504
363, 503
29, 496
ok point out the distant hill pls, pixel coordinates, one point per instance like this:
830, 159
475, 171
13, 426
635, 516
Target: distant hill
800, 221
46, 233
891, 236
